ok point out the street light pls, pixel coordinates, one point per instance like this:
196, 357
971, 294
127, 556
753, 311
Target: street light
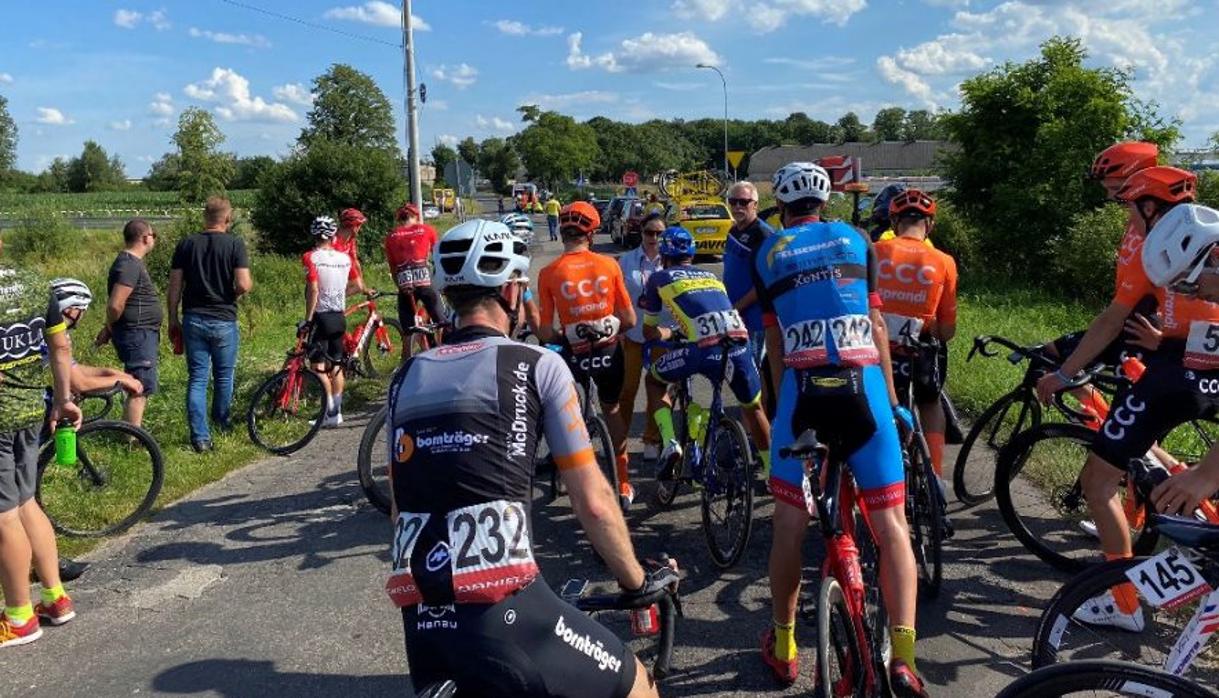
725, 82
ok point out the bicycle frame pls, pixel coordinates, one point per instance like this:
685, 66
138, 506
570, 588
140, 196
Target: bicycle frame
371, 326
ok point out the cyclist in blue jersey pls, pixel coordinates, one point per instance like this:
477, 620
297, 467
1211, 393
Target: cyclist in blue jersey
825, 336
698, 302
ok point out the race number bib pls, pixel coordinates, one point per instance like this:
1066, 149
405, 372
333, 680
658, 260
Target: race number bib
412, 276
583, 336
902, 330
401, 587
1202, 347
1168, 579
490, 551
805, 343
852, 335
710, 327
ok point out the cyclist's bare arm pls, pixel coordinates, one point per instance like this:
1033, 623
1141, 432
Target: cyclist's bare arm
311, 296
774, 352
880, 336
1104, 329
60, 350
652, 331
86, 379
596, 506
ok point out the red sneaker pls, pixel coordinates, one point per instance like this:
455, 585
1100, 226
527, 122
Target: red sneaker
56, 613
904, 682
785, 672
13, 634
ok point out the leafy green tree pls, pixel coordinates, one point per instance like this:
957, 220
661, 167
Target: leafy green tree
529, 112
94, 170
55, 177
8, 138
204, 170
851, 128
349, 108
922, 125
498, 162
1026, 131
468, 150
554, 148
249, 170
442, 155
801, 130
163, 175
889, 124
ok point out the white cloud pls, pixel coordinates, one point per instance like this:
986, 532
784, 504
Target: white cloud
254, 40
679, 86
448, 139
826, 63
769, 16
130, 19
649, 53
711, 10
494, 123
293, 92
6, 79
161, 105
127, 19
124, 125
52, 117
947, 55
912, 83
231, 92
437, 104
515, 28
461, 75
377, 13
561, 101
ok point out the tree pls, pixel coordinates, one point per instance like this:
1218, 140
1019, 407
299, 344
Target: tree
55, 177
249, 170
204, 170
442, 155
163, 175
1025, 133
800, 129
94, 170
852, 129
529, 112
889, 124
349, 108
922, 125
498, 162
8, 138
554, 148
468, 150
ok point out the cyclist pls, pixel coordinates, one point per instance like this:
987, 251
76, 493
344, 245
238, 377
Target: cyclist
350, 222
522, 227
408, 250
1172, 390
882, 228
480, 613
329, 275
699, 303
918, 286
825, 336
587, 291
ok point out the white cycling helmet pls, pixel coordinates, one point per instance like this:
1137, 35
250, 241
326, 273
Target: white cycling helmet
71, 293
801, 180
1179, 242
323, 226
518, 222
480, 253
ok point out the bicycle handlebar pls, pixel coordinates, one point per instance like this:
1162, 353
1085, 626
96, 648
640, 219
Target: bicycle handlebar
1033, 353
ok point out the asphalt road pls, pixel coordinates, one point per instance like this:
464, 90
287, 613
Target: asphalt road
269, 582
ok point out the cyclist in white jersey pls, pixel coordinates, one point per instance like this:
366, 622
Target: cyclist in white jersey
329, 274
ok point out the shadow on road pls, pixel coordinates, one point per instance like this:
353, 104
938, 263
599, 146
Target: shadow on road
243, 677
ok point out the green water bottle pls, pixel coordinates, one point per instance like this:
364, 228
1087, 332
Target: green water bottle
696, 422
65, 443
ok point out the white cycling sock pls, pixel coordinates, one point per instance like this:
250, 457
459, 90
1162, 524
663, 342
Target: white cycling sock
338, 403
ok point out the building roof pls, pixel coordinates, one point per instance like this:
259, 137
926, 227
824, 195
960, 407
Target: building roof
885, 157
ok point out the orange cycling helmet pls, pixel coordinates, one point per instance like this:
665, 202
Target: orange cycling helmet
912, 201
1170, 185
1124, 159
580, 215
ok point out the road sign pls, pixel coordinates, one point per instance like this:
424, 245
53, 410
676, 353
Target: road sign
630, 178
734, 158
423, 93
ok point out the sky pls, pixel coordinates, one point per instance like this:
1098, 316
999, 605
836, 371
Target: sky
120, 72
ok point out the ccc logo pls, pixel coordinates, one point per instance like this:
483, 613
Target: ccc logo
594, 363
906, 273
1209, 386
585, 288
1123, 416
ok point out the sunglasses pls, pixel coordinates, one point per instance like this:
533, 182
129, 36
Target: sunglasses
653, 233
740, 202
1189, 285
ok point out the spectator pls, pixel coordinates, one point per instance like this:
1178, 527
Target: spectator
499, 206
32, 316
637, 266
552, 216
209, 272
654, 205
747, 232
133, 315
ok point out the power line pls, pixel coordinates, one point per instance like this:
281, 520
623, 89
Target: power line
311, 25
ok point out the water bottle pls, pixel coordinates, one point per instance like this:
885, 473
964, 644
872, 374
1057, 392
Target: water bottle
645, 621
849, 555
65, 443
696, 422
1132, 368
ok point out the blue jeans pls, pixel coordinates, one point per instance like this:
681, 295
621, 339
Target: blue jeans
553, 223
210, 344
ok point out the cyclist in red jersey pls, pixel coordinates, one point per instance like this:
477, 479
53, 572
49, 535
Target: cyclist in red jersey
409, 252
350, 222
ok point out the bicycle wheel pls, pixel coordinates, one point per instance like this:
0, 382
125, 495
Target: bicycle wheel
287, 410
1061, 638
875, 617
115, 482
383, 352
1099, 677
973, 479
728, 494
840, 667
603, 449
926, 517
372, 462
1037, 490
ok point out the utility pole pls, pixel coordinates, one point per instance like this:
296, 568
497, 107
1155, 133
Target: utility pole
725, 82
412, 117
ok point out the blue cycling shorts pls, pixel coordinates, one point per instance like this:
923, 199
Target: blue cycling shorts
687, 360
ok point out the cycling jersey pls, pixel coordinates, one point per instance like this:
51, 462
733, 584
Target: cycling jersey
1132, 287
330, 270
918, 286
698, 302
409, 251
890, 235
351, 248
585, 288
30, 316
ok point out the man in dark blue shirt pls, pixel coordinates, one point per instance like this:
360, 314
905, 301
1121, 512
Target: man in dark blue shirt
747, 232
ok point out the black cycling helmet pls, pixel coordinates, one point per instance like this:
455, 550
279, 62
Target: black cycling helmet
880, 205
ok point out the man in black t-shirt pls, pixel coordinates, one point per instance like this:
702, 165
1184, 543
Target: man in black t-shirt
133, 314
209, 272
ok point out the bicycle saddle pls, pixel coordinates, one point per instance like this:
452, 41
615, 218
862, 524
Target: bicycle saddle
804, 446
1189, 532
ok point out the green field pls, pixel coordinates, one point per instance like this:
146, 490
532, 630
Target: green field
101, 203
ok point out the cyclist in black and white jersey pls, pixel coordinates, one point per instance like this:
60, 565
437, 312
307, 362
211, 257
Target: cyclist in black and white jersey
463, 424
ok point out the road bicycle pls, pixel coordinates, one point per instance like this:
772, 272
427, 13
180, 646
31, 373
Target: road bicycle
1101, 677
426, 332
117, 477
852, 628
716, 459
288, 408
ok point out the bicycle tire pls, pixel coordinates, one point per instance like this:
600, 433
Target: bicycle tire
836, 641
74, 503
1057, 536
876, 617
974, 473
381, 362
926, 518
310, 418
603, 449
1121, 678
374, 481
735, 483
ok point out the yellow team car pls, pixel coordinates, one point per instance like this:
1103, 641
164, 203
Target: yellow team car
706, 218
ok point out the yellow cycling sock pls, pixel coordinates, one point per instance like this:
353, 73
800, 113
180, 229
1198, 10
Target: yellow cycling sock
664, 422
52, 594
785, 642
19, 615
764, 456
903, 644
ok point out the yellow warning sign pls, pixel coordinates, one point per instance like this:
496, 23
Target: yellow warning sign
734, 157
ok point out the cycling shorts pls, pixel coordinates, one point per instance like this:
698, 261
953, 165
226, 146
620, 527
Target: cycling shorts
926, 368
1165, 397
605, 365
1112, 355
849, 409
424, 294
326, 342
741, 373
530, 644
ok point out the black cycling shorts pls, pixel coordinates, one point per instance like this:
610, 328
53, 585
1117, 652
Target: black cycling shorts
430, 299
926, 368
529, 644
606, 366
1167, 396
326, 342
1112, 355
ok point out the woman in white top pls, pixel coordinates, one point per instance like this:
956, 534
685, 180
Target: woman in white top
637, 265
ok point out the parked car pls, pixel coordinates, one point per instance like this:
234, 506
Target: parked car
430, 211
616, 208
599, 204
629, 229
706, 218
